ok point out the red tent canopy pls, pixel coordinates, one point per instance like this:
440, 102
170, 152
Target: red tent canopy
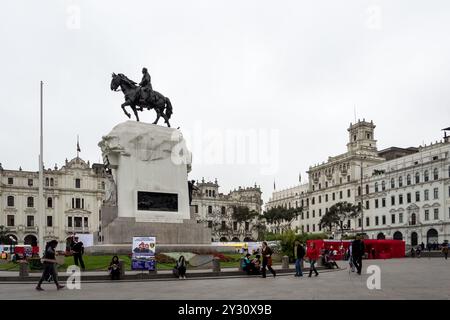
384, 249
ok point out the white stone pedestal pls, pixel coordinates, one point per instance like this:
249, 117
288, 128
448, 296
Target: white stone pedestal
149, 163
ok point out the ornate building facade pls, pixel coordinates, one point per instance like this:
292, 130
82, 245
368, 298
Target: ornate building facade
215, 210
73, 195
405, 193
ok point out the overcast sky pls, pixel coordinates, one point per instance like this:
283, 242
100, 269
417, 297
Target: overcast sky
292, 71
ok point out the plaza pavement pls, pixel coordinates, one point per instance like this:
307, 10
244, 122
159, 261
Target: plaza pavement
408, 278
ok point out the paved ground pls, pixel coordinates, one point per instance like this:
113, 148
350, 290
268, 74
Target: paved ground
400, 279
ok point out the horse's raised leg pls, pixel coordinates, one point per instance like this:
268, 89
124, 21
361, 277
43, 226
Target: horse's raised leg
124, 110
135, 113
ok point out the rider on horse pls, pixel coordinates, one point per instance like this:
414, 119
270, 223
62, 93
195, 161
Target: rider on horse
146, 86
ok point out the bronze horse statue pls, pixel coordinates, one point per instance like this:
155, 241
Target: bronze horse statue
135, 99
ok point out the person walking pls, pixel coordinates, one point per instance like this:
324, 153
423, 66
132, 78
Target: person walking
358, 252
181, 267
49, 262
299, 254
78, 251
350, 258
267, 259
445, 250
313, 255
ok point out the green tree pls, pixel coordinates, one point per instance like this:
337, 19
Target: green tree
3, 235
339, 213
282, 217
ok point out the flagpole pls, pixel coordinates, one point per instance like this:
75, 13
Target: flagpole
78, 146
41, 179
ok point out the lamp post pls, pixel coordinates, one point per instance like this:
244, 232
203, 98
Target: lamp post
361, 193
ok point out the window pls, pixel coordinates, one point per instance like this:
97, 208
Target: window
210, 224
413, 219
69, 222
214, 193
247, 226
340, 194
408, 197
427, 215
367, 188
49, 221
417, 177
78, 183
436, 214
367, 204
340, 179
392, 200
78, 222
367, 221
314, 227
392, 183
393, 218
86, 222
326, 198
349, 193
383, 202
30, 202
320, 212
348, 224
435, 174
209, 209
436, 193
426, 176
234, 225
334, 196
376, 186
376, 203
10, 220
348, 178
400, 217
314, 187
359, 222
30, 221
426, 195
307, 214
314, 213
313, 201
49, 203
326, 184
359, 190
408, 179
400, 181
307, 228
196, 208
417, 196
52, 183
320, 199
78, 203
10, 201
377, 221
30, 182
383, 219
383, 185
46, 182
10, 180
320, 186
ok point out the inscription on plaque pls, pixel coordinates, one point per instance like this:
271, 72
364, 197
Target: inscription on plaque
157, 201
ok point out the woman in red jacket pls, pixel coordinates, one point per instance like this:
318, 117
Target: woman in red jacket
313, 254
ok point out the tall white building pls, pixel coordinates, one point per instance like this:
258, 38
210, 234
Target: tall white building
73, 196
215, 209
405, 192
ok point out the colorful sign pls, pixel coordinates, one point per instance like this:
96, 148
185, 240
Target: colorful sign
143, 255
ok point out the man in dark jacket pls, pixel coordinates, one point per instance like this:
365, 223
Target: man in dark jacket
358, 249
78, 251
299, 254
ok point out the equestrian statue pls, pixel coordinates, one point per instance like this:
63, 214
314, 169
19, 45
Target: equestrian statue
142, 96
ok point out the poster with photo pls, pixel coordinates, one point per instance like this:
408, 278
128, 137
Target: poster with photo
143, 253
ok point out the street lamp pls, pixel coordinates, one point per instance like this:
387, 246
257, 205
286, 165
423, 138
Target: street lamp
361, 192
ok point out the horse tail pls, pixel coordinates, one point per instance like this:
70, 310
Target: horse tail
168, 108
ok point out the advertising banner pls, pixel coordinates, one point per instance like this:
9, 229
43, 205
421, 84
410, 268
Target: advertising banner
143, 255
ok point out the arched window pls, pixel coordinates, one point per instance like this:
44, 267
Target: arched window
52, 182
392, 183
383, 185
417, 177
408, 179
30, 202
49, 203
376, 186
426, 176
400, 181
10, 201
367, 188
46, 182
435, 174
